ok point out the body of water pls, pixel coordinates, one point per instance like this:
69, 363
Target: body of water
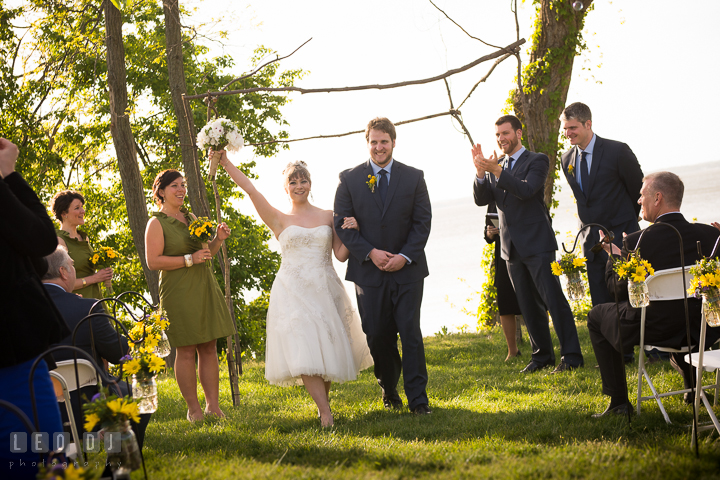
456, 242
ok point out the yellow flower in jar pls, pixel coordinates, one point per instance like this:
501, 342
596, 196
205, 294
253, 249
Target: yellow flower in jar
579, 262
156, 364
556, 269
131, 410
90, 421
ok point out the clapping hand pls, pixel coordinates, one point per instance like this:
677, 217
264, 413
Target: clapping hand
483, 164
610, 248
223, 231
8, 157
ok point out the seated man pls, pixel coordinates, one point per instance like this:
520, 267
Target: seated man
59, 281
660, 199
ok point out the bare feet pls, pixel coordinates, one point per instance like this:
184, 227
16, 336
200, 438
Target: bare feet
326, 420
214, 412
514, 355
195, 417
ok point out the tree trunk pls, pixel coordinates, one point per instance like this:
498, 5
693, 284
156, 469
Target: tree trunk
555, 43
186, 124
123, 140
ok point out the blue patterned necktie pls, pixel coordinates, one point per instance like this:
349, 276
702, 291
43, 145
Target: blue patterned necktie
383, 185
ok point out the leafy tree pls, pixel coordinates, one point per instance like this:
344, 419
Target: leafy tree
55, 103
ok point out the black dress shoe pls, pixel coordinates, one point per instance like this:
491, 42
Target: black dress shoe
422, 409
392, 401
619, 410
565, 367
534, 366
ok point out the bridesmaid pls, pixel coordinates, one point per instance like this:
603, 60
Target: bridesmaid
69, 208
189, 293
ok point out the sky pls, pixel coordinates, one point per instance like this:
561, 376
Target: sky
648, 76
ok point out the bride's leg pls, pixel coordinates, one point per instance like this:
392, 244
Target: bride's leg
327, 391
209, 373
187, 380
316, 387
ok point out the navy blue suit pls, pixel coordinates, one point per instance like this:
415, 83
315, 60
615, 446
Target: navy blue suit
610, 199
529, 245
389, 302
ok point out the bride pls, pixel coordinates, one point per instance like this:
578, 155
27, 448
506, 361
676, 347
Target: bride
314, 336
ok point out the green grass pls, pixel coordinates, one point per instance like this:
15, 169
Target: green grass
489, 421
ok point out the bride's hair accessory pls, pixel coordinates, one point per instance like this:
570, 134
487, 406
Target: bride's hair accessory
296, 169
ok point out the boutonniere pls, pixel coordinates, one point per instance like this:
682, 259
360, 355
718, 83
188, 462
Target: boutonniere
371, 183
571, 170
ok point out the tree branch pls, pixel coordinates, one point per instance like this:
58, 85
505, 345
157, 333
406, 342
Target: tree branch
461, 28
512, 48
495, 64
263, 66
428, 117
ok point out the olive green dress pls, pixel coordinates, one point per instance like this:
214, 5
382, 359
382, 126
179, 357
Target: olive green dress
81, 251
192, 298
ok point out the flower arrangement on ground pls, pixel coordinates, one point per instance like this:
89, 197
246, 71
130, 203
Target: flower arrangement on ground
572, 266
220, 134
59, 469
105, 257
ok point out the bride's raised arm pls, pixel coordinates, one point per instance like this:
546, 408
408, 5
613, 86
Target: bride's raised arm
269, 214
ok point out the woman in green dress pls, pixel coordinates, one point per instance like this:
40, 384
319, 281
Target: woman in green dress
189, 293
69, 209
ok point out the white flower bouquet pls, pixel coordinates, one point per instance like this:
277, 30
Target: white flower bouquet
220, 134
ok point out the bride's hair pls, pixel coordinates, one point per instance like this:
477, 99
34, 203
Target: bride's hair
296, 169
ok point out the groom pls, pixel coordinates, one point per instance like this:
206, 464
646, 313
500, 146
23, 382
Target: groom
390, 202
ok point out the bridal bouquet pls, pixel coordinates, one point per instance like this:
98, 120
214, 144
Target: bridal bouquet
105, 257
218, 135
634, 268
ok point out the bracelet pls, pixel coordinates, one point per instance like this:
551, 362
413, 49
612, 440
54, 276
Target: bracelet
188, 260
84, 283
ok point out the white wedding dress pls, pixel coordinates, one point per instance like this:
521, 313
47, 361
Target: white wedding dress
312, 328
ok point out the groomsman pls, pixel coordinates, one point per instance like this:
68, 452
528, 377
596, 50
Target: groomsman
606, 179
391, 204
516, 182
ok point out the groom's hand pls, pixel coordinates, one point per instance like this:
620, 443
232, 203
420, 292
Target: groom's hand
395, 263
380, 257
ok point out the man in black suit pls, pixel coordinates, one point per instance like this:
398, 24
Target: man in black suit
59, 281
660, 198
104, 343
605, 178
390, 202
517, 184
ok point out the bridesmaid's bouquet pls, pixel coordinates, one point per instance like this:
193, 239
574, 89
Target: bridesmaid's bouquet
221, 134
202, 229
105, 257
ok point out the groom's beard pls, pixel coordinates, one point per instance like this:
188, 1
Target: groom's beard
387, 156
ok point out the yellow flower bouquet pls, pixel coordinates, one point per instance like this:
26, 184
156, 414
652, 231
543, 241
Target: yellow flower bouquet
114, 414
706, 284
203, 230
572, 266
635, 270
105, 257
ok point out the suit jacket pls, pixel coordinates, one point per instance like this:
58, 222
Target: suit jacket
613, 189
400, 226
105, 339
30, 323
665, 320
519, 195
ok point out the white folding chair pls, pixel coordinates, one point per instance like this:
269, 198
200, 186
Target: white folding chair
665, 285
64, 381
705, 361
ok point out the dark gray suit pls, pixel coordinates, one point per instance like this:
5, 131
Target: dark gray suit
529, 245
610, 199
389, 302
